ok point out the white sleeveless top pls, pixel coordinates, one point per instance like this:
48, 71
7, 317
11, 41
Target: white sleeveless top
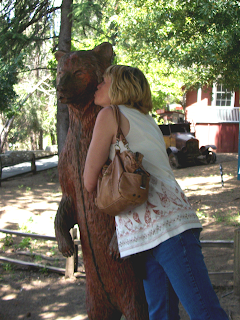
167, 211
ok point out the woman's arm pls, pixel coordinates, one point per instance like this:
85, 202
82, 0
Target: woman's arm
104, 131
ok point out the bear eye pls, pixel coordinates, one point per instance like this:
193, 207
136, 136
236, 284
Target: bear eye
78, 73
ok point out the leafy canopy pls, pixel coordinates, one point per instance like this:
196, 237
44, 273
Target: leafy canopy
98, 21
24, 24
174, 42
203, 36
8, 78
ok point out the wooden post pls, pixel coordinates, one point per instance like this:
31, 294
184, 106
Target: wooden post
33, 164
72, 262
239, 149
236, 277
0, 170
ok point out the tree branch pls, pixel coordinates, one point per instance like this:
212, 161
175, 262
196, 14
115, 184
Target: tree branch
37, 17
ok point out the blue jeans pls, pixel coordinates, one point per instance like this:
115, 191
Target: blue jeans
175, 270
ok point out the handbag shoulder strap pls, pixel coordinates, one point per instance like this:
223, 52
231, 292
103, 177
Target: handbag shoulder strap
119, 134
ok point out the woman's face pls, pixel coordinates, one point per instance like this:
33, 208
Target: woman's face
101, 97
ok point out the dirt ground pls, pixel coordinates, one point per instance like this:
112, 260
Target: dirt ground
29, 203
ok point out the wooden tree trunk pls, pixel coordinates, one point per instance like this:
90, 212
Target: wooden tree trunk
4, 133
53, 138
40, 142
64, 45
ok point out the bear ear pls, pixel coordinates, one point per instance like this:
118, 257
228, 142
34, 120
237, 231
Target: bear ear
105, 49
59, 54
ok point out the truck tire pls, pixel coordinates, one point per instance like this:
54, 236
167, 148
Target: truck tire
173, 160
211, 157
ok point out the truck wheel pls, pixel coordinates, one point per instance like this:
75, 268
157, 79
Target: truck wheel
211, 157
173, 160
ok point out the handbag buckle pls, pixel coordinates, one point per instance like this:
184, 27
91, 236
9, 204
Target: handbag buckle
144, 182
144, 178
117, 146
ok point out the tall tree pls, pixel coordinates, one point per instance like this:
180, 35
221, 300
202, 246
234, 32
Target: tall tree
25, 25
64, 45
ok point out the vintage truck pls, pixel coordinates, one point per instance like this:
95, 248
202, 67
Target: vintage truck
183, 147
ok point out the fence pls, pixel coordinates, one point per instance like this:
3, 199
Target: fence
13, 158
71, 263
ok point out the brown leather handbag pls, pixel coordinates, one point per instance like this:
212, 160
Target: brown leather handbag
124, 183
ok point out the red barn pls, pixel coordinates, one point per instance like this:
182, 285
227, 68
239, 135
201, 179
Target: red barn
214, 116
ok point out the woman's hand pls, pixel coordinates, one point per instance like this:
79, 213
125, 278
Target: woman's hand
104, 132
113, 249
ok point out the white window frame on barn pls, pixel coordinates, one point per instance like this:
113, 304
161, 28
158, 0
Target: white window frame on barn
213, 113
222, 97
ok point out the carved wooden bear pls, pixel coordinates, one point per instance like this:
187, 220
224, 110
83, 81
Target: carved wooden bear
112, 287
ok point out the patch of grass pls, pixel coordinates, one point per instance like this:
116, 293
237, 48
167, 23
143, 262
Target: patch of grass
24, 228
56, 262
228, 219
25, 243
201, 215
7, 266
218, 218
21, 187
234, 220
37, 258
44, 270
8, 240
49, 171
54, 250
30, 219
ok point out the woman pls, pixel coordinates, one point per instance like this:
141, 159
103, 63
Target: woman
165, 228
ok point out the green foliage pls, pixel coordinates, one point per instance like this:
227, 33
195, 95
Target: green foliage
24, 25
88, 16
7, 266
229, 219
8, 78
31, 218
95, 20
8, 240
199, 35
37, 105
201, 215
25, 243
54, 250
207, 39
24, 228
44, 270
52, 66
37, 258
126, 25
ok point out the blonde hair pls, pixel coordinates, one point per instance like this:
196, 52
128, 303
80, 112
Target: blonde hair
130, 87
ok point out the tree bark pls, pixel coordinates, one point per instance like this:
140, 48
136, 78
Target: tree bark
4, 133
40, 142
64, 45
